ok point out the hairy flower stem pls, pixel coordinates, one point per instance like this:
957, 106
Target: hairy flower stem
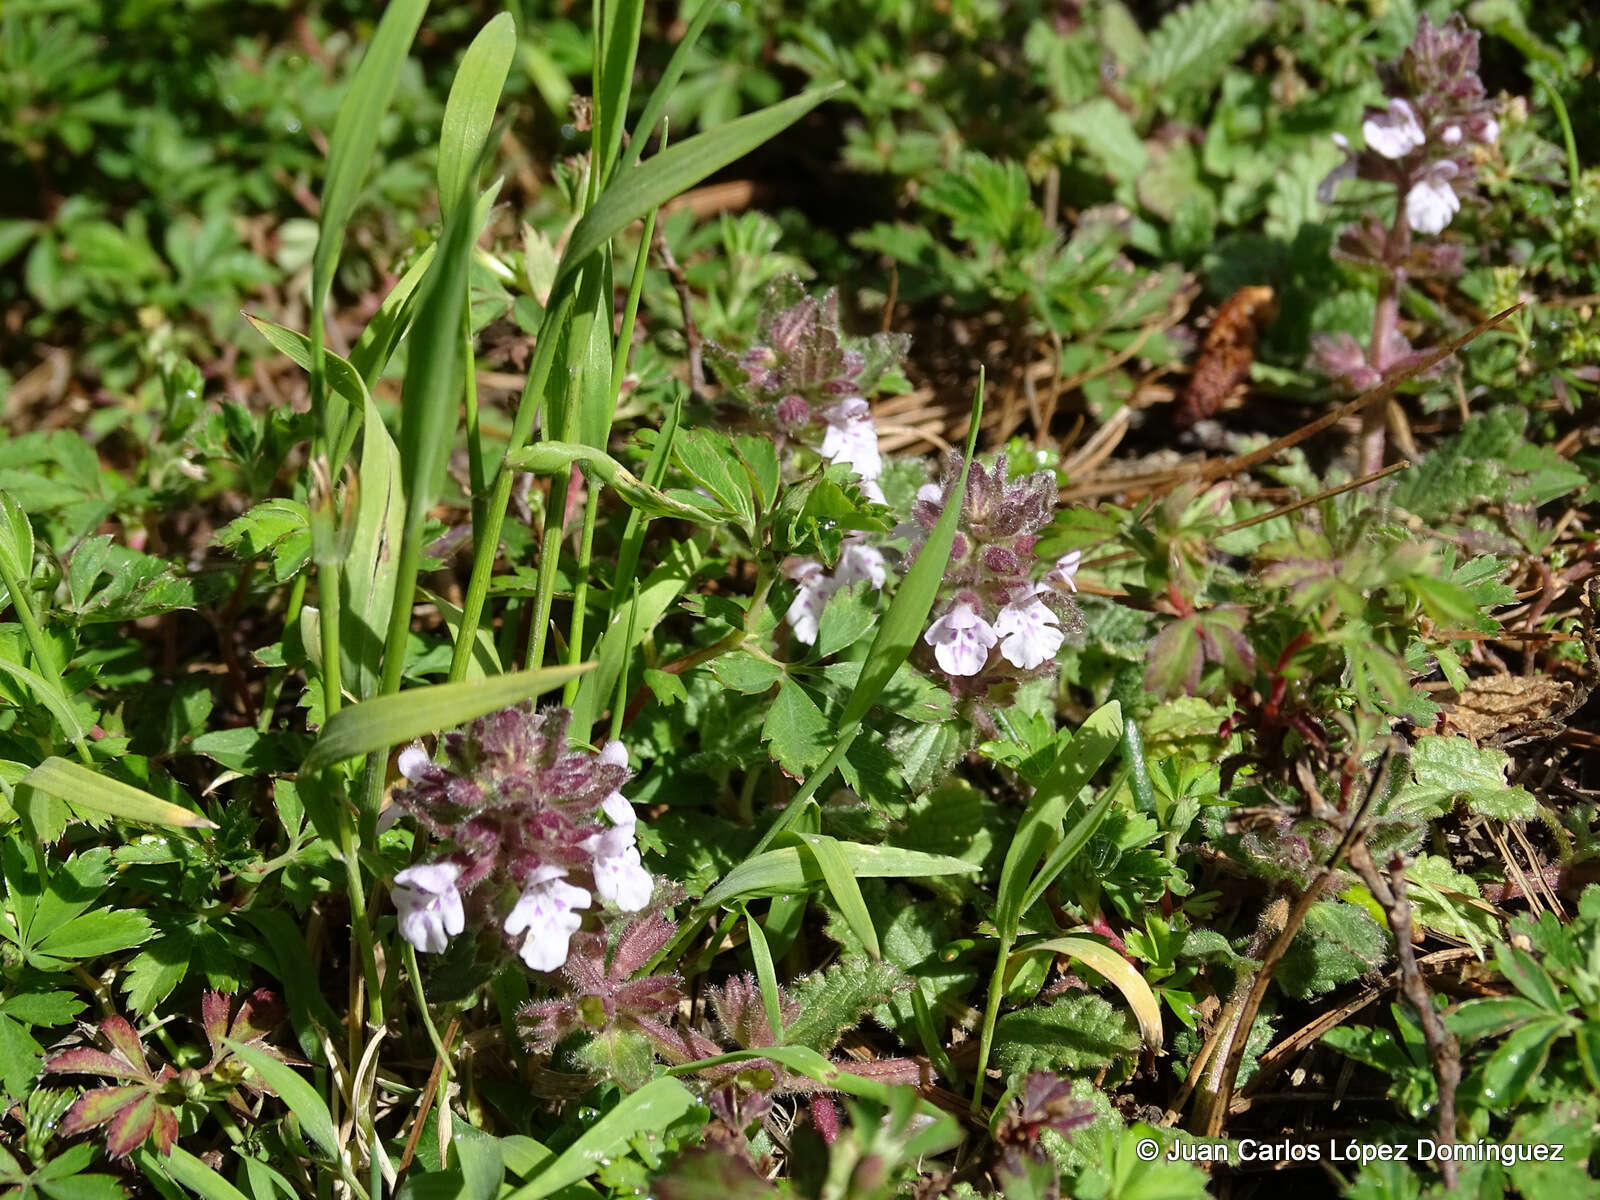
1374, 417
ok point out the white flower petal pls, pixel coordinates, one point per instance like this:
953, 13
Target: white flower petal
411, 761
1394, 133
857, 562
1030, 633
616, 807
547, 912
429, 906
1432, 202
852, 438
961, 640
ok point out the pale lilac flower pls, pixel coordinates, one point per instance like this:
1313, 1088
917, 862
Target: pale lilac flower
1489, 134
429, 905
619, 874
805, 612
852, 438
1451, 135
1029, 631
930, 493
412, 760
859, 562
1394, 133
961, 639
548, 912
1066, 567
614, 754
1432, 202
621, 812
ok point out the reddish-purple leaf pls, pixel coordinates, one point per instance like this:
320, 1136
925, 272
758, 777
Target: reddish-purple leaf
125, 1041
86, 1060
95, 1108
127, 1131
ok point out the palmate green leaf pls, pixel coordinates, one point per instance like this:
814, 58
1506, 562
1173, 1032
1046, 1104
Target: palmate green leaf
651, 1110
469, 112
790, 869
393, 719
16, 540
796, 732
100, 931
87, 790
633, 194
1094, 742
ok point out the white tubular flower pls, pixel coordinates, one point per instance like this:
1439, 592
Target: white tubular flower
857, 562
1394, 133
805, 611
621, 812
412, 760
961, 639
1490, 133
1065, 569
619, 874
1029, 632
429, 905
614, 754
1451, 135
852, 438
1432, 202
548, 912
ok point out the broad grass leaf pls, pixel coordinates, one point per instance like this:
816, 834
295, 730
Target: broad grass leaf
652, 1109
1075, 765
788, 869
1103, 959
85, 789
300, 1096
355, 134
395, 719
470, 109
633, 194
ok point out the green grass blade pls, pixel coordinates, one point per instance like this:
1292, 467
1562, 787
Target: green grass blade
650, 1110
373, 349
390, 720
300, 1096
178, 1165
355, 134
372, 562
841, 880
1102, 958
633, 194
623, 19
1075, 765
1077, 838
342, 375
789, 869
766, 974
656, 105
469, 112
87, 789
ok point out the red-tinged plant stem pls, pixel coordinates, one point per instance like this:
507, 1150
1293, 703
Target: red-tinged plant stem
1374, 417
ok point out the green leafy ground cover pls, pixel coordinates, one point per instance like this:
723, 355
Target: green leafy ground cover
847, 599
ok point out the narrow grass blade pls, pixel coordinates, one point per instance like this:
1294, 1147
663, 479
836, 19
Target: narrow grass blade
469, 112
300, 1096
632, 195
373, 349
655, 470
178, 1165
550, 458
1090, 746
393, 719
86, 789
650, 1110
837, 873
355, 133
1077, 838
370, 566
656, 105
766, 974
630, 624
1099, 957
787, 870
341, 373
623, 19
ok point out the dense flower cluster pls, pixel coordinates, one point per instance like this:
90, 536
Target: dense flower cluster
807, 382
1424, 140
531, 831
998, 617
